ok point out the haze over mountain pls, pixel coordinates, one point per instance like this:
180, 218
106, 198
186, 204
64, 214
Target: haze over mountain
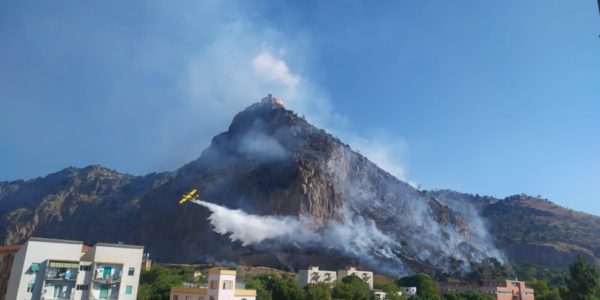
280, 192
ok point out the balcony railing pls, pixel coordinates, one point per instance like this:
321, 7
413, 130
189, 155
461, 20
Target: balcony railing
70, 275
62, 297
107, 279
71, 297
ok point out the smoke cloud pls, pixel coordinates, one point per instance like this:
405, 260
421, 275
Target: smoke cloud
354, 236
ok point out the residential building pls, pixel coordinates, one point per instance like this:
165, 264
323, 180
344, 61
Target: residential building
7, 256
403, 291
498, 289
51, 269
366, 276
221, 286
408, 291
314, 275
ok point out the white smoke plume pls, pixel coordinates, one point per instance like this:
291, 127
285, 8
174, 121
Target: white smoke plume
354, 236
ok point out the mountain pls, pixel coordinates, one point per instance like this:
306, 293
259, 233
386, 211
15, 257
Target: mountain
90, 204
280, 192
535, 230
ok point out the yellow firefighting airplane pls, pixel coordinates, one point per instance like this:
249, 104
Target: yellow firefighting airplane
193, 195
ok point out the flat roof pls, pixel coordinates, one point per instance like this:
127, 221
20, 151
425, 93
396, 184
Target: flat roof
84, 247
119, 245
242, 293
188, 290
221, 271
47, 240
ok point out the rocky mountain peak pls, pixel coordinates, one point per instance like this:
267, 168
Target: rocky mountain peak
334, 206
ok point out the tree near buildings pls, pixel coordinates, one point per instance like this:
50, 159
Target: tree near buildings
317, 291
583, 282
352, 288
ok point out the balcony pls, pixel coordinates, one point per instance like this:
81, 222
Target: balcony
61, 271
105, 292
108, 274
58, 290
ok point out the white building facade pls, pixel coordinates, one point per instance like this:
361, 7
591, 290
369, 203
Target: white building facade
50, 269
221, 286
314, 275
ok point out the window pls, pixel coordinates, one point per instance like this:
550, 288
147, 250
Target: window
131, 271
30, 287
228, 285
82, 287
128, 290
175, 297
85, 268
212, 298
213, 284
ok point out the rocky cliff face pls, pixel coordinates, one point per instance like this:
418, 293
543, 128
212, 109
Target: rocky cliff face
273, 165
91, 204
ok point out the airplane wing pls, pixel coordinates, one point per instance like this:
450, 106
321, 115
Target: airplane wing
188, 196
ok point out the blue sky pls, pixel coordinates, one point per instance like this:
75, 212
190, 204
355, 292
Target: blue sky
494, 98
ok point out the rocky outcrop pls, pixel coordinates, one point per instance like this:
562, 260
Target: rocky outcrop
91, 204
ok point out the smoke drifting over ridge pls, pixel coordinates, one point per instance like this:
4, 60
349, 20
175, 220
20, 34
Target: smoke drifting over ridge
355, 236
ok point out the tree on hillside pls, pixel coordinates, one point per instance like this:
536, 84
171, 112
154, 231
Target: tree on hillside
284, 287
156, 284
275, 286
426, 286
583, 282
391, 292
317, 291
543, 291
352, 288
259, 283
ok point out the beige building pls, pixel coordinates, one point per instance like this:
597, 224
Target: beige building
314, 275
498, 289
366, 276
51, 269
507, 290
221, 286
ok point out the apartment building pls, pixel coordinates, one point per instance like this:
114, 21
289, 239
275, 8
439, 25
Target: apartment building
314, 275
497, 289
507, 289
366, 276
51, 269
221, 286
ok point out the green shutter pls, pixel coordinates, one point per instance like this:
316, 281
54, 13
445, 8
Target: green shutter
107, 271
128, 290
35, 267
